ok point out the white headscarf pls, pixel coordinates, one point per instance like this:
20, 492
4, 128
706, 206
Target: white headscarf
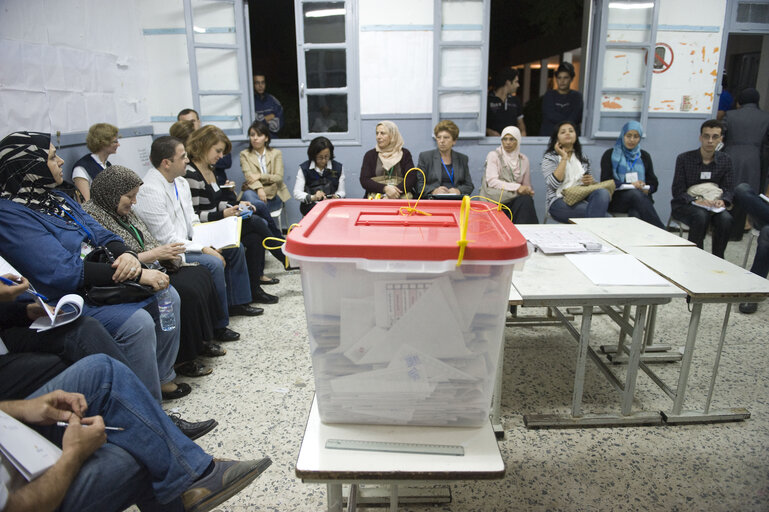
393, 153
513, 159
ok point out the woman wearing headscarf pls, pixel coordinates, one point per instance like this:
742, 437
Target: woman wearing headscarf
113, 193
507, 178
633, 173
44, 234
385, 166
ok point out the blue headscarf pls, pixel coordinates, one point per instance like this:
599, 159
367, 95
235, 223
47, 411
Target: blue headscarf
624, 160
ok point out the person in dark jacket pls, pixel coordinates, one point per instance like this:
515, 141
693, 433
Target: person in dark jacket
320, 177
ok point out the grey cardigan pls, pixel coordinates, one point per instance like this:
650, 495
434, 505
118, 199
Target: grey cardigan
430, 163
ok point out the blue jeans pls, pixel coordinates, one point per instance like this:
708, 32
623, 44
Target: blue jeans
758, 209
149, 350
595, 205
636, 204
151, 462
231, 282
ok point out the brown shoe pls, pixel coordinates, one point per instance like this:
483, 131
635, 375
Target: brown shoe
227, 479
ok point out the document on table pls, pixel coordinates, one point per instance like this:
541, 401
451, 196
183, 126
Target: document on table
560, 241
615, 270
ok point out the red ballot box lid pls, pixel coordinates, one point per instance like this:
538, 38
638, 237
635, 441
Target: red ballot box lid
387, 230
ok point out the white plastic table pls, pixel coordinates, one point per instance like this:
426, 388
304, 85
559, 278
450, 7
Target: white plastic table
318, 464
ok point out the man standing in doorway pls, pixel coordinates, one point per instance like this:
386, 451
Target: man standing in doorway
561, 103
266, 106
703, 189
504, 108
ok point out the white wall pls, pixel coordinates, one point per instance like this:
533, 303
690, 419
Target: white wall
67, 64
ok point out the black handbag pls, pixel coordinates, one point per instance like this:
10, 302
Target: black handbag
116, 293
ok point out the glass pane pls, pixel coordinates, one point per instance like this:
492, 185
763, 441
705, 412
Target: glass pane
326, 68
625, 102
223, 111
217, 69
752, 13
462, 108
624, 68
462, 20
327, 113
629, 21
213, 22
461, 67
324, 22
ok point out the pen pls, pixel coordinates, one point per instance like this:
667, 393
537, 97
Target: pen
7, 281
65, 424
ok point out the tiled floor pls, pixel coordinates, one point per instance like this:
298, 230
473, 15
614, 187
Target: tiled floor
261, 391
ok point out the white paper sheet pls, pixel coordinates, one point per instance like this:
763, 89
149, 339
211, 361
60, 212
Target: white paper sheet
615, 270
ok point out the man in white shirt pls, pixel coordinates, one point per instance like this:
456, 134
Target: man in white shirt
164, 203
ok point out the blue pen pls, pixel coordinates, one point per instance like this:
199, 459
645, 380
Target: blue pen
29, 290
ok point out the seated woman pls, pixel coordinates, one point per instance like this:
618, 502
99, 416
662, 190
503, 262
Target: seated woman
630, 166
385, 166
113, 193
263, 169
102, 141
321, 177
36, 219
564, 166
204, 147
507, 178
446, 171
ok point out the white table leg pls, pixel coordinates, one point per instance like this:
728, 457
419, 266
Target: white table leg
579, 375
334, 496
686, 362
634, 360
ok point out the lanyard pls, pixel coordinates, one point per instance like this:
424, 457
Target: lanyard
137, 235
87, 231
176, 190
450, 173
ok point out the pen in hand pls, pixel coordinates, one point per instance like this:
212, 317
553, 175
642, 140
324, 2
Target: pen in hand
65, 424
30, 291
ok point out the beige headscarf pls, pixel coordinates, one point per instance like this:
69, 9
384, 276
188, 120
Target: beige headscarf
512, 159
393, 153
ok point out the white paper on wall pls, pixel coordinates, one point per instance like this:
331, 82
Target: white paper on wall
23, 110
67, 111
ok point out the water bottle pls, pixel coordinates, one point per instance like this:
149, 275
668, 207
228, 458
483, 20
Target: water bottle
166, 309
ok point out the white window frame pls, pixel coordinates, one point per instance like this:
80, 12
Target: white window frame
439, 45
351, 90
599, 49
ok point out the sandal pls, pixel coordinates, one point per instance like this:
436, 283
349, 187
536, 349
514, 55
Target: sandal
213, 350
271, 280
194, 368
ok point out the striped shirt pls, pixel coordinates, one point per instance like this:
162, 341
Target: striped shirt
208, 202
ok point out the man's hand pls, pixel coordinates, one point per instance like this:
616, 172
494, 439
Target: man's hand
168, 251
83, 437
126, 267
48, 409
35, 311
213, 252
8, 293
718, 203
705, 202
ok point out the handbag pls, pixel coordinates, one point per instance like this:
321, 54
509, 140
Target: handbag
116, 293
577, 193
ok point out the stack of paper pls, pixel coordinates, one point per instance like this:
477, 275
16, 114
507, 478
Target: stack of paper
29, 452
415, 350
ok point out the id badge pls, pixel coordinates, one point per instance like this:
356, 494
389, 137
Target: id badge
705, 175
215, 186
85, 249
392, 181
631, 177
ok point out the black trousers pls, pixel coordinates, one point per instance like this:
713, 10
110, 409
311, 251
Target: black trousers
698, 220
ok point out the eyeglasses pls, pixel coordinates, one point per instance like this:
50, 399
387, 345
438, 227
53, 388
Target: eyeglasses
711, 137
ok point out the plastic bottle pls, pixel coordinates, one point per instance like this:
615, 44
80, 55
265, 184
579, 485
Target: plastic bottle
166, 309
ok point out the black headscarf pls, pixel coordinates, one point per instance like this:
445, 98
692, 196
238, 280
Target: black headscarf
24, 174
112, 183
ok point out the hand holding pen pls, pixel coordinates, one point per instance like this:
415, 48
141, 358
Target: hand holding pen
12, 286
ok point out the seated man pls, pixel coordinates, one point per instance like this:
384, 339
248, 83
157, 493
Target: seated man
149, 462
704, 165
164, 203
758, 209
37, 357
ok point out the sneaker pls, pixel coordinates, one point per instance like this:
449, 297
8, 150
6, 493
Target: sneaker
227, 479
193, 430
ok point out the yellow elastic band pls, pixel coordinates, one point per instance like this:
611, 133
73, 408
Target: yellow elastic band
499, 205
408, 210
464, 216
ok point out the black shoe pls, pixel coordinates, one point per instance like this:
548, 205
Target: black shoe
213, 349
227, 479
190, 429
194, 368
273, 280
748, 308
226, 334
259, 296
245, 310
182, 389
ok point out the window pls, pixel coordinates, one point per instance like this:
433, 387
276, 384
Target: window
327, 69
196, 61
625, 45
461, 64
